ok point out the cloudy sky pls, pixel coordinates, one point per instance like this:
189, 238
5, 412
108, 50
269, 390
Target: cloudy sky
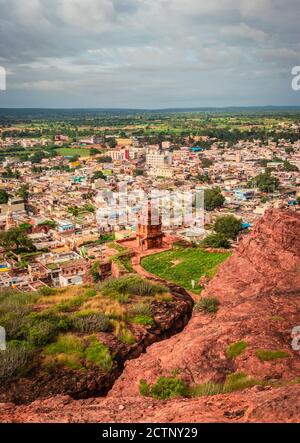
149, 53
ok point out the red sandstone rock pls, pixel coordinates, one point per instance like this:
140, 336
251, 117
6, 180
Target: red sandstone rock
277, 405
266, 262
259, 293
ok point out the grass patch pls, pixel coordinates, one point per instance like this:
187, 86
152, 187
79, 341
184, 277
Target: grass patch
267, 355
208, 305
66, 344
191, 264
164, 388
239, 381
206, 389
67, 351
72, 304
71, 152
126, 336
131, 285
45, 291
90, 293
117, 246
124, 262
236, 349
98, 354
234, 382
145, 320
141, 309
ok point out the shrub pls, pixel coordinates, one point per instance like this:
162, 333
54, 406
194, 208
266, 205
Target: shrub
14, 324
207, 304
14, 309
42, 333
14, 361
267, 355
99, 354
95, 322
144, 388
64, 323
217, 240
235, 349
164, 388
42, 327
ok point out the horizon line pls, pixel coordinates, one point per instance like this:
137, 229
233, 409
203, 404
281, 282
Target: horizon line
175, 108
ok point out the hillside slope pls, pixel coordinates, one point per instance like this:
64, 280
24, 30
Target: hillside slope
250, 336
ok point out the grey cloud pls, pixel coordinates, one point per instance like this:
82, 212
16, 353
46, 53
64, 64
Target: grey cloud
148, 52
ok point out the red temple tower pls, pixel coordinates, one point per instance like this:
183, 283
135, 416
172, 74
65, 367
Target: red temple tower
149, 231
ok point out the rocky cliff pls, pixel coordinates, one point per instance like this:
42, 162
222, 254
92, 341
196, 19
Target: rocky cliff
259, 293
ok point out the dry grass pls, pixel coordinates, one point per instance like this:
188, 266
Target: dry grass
111, 308
63, 295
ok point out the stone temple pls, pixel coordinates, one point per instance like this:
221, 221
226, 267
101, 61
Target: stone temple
149, 230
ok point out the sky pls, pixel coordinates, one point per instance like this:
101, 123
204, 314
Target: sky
149, 53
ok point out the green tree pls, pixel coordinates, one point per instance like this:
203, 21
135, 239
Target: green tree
213, 198
112, 143
203, 178
74, 211
94, 152
289, 167
15, 238
206, 162
216, 241
228, 225
265, 182
51, 223
104, 159
3, 196
137, 172
97, 175
289, 150
23, 192
9, 173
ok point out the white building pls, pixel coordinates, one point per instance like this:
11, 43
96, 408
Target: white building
158, 159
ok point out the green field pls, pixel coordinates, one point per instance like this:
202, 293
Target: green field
73, 151
182, 265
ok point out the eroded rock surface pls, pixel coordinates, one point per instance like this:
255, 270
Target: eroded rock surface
259, 293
